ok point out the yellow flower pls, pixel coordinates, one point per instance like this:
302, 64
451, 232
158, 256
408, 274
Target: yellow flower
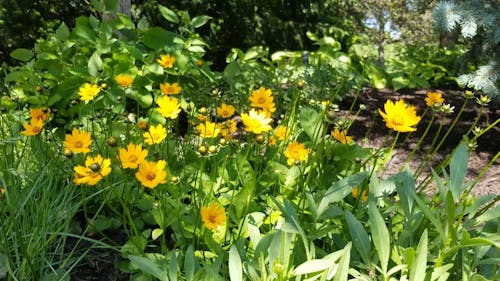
151, 174
88, 91
296, 152
208, 130
399, 116
167, 61
213, 216
40, 114
341, 136
33, 128
155, 134
169, 107
225, 110
95, 169
256, 122
271, 141
78, 141
263, 99
124, 80
170, 89
227, 128
364, 194
434, 98
282, 132
132, 156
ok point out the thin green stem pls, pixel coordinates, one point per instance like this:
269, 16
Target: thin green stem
412, 153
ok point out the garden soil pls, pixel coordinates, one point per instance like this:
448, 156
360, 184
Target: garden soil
369, 123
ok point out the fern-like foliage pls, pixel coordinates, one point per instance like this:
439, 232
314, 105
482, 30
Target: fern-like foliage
479, 21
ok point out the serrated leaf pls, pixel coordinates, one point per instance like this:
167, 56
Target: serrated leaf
235, 267
168, 14
21, 54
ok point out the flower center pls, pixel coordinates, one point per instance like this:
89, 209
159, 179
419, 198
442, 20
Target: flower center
151, 176
398, 122
261, 100
78, 144
132, 158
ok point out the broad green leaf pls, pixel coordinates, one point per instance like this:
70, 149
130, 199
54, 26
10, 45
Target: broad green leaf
405, 186
359, 237
380, 235
311, 122
458, 170
339, 190
83, 29
399, 82
343, 267
62, 32
428, 213
419, 266
189, 263
235, 267
200, 21
441, 273
21, 54
156, 233
150, 267
95, 64
172, 269
168, 14
315, 265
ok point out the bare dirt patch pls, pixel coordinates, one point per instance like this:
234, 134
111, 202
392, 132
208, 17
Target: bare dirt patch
369, 130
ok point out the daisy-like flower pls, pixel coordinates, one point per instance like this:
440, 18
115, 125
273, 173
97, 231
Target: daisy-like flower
132, 156
95, 169
225, 110
88, 91
296, 152
213, 216
208, 130
151, 174
169, 107
281, 132
78, 141
33, 128
399, 116
263, 99
124, 80
155, 134
40, 113
341, 136
166, 61
256, 122
433, 98
170, 89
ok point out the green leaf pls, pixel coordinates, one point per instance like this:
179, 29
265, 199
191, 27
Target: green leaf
235, 267
95, 64
158, 38
458, 170
405, 186
339, 190
419, 266
168, 14
199, 21
311, 122
83, 29
21, 54
156, 233
343, 267
380, 235
359, 237
189, 263
62, 32
172, 269
150, 267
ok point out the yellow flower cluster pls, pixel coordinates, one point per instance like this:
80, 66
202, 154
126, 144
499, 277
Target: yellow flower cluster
38, 117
